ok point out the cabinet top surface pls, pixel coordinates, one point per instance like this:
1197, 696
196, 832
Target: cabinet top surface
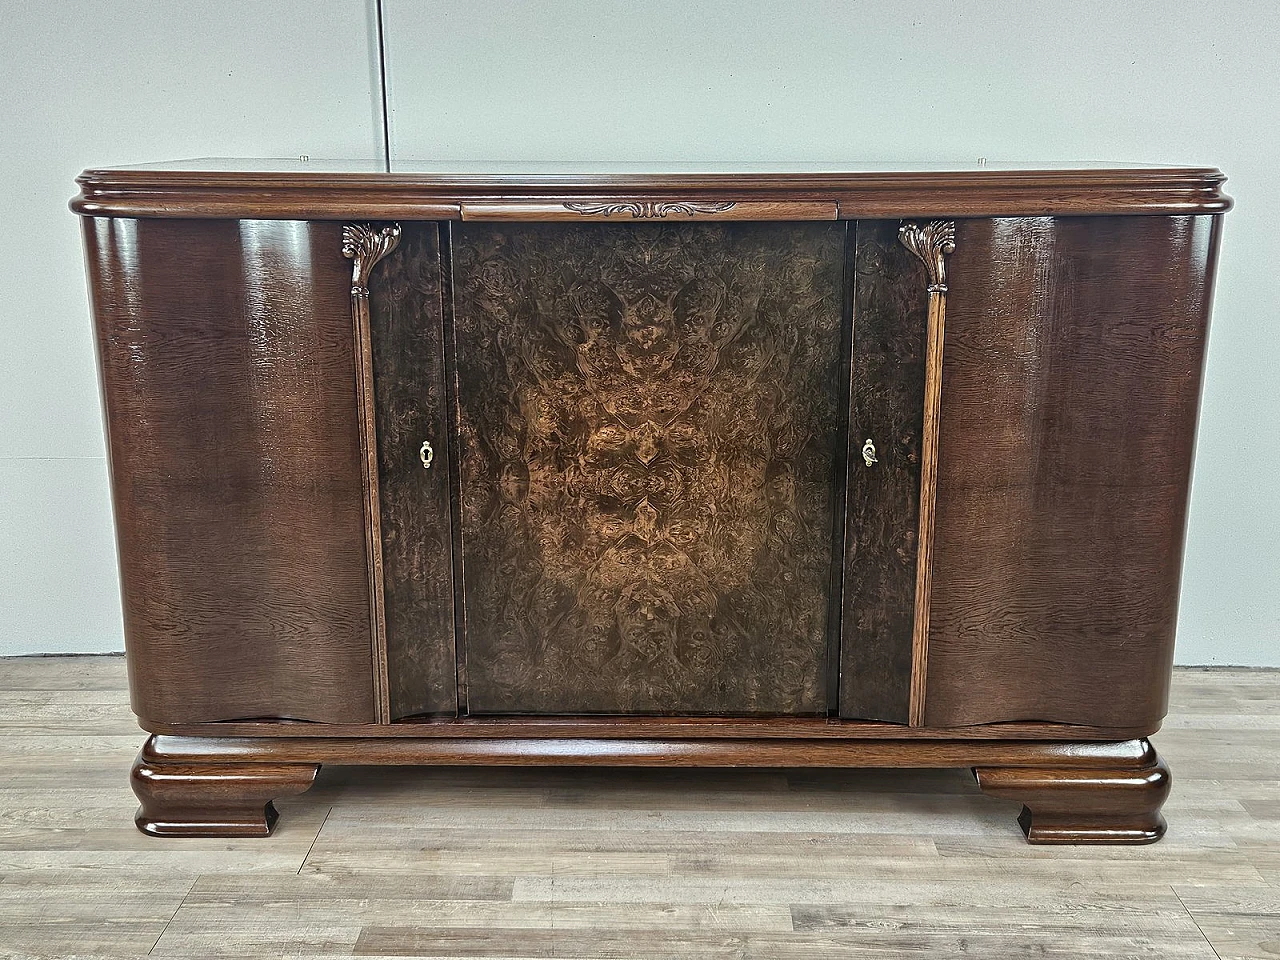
332, 189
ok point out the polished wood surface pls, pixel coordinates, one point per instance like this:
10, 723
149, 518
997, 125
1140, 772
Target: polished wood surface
295, 190
883, 497
647, 431
614, 465
1073, 792
1071, 386
655, 727
1107, 803
407, 317
228, 376
577, 211
213, 800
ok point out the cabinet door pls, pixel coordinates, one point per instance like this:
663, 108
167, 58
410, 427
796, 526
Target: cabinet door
650, 456
407, 344
886, 419
229, 380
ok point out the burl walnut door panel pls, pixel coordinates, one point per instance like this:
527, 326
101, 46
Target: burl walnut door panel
228, 374
650, 442
406, 319
886, 418
1071, 379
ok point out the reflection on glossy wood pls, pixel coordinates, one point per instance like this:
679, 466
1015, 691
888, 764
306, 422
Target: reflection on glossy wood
883, 500
228, 377
648, 427
406, 316
872, 192
1105, 804
1074, 792
365, 245
1072, 381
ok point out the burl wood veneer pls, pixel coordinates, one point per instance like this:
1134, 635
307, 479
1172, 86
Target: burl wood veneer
707, 468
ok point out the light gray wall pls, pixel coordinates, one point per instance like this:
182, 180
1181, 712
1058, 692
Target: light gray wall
662, 80
85, 83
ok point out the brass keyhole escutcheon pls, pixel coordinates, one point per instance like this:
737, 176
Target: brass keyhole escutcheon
426, 454
869, 453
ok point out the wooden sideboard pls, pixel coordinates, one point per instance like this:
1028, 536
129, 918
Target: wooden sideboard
798, 467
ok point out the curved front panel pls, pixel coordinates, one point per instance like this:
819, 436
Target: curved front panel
1071, 383
228, 376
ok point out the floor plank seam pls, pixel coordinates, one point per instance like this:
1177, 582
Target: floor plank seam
174, 915
1193, 919
307, 855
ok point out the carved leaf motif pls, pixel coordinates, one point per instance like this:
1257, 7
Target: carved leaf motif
364, 245
650, 209
931, 243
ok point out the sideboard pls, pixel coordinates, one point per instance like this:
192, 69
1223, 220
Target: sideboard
786, 467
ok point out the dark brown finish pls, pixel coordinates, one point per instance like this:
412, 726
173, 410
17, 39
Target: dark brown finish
656, 728
201, 799
1072, 379
661, 504
1076, 792
674, 210
648, 426
648, 752
406, 318
1107, 803
365, 245
216, 188
228, 377
883, 499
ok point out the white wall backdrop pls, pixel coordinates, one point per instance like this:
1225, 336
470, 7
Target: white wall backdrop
85, 83
663, 80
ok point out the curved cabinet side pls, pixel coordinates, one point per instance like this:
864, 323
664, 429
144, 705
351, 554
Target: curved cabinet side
1071, 386
227, 366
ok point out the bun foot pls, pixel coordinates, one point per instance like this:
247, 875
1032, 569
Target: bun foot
213, 798
1086, 804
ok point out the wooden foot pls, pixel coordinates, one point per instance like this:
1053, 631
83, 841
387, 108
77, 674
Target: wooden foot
213, 798
1089, 804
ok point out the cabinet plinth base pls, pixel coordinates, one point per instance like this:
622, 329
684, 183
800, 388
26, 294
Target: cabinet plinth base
213, 798
1074, 792
1105, 804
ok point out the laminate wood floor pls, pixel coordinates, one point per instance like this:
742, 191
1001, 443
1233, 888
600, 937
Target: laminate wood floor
660, 864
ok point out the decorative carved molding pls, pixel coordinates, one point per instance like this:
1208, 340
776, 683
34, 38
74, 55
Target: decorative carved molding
651, 209
931, 243
364, 245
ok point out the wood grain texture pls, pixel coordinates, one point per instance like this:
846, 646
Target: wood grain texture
1071, 387
1105, 804
649, 751
228, 376
872, 192
644, 862
213, 800
648, 423
931, 243
407, 318
653, 727
883, 499
365, 245
580, 210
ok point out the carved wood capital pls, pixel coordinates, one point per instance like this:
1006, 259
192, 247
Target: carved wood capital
931, 242
364, 245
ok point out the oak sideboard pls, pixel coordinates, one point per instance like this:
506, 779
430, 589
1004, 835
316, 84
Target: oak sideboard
783, 467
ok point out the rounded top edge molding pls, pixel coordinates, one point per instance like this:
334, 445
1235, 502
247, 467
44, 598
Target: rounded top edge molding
874, 193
